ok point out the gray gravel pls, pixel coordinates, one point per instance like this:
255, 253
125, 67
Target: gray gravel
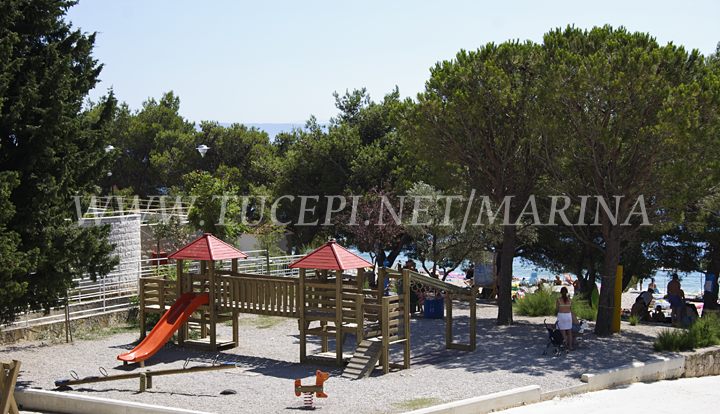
507, 357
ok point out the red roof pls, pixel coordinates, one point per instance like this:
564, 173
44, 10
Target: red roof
208, 247
331, 256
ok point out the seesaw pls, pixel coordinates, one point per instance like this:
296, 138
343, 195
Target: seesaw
145, 376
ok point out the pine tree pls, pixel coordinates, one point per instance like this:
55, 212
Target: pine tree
48, 153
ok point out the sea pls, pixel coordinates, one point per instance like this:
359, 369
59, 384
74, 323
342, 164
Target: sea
692, 283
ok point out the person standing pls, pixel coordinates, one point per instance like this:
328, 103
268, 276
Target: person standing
564, 317
674, 295
652, 285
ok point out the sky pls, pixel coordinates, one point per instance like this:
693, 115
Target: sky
280, 62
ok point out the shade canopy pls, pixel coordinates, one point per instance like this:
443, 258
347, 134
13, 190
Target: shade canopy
330, 256
208, 247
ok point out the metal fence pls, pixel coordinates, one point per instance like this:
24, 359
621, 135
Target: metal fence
118, 290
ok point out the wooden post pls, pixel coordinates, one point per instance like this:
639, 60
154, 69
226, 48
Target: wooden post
301, 316
141, 311
235, 303
180, 279
473, 317
448, 321
324, 338
7, 387
381, 275
211, 305
385, 329
143, 382
359, 319
360, 279
236, 327
338, 318
406, 316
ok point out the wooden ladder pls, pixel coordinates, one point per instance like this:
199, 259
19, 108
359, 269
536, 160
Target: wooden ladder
364, 359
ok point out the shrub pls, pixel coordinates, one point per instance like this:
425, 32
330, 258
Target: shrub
539, 303
673, 340
634, 320
582, 309
704, 332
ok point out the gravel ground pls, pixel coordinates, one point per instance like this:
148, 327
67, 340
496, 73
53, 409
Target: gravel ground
268, 359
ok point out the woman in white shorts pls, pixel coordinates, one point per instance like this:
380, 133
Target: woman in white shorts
564, 317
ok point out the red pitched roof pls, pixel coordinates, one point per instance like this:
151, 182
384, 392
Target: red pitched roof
208, 247
331, 256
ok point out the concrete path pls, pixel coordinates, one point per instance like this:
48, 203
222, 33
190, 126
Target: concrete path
697, 395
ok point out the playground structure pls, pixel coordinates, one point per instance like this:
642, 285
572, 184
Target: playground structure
330, 299
8, 377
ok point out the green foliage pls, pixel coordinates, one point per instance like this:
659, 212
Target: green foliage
437, 238
46, 71
542, 302
703, 333
13, 261
582, 309
674, 340
170, 231
634, 320
216, 208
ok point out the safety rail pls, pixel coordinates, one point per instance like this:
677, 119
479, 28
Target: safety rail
116, 291
261, 295
105, 206
157, 294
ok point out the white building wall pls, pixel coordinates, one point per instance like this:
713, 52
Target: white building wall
125, 236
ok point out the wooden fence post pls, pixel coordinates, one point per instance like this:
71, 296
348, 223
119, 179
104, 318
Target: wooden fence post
385, 329
7, 387
300, 305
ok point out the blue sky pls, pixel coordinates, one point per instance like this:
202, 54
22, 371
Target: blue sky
236, 61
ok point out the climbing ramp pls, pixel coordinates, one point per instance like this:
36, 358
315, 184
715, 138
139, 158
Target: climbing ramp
364, 359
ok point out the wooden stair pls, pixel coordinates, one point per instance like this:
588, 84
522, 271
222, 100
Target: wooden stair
364, 359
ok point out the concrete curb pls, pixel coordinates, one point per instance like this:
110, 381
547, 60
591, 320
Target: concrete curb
564, 392
487, 403
663, 368
59, 402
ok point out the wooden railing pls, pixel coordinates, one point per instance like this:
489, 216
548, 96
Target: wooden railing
157, 294
261, 295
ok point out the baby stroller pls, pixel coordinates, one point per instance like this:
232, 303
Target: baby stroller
555, 337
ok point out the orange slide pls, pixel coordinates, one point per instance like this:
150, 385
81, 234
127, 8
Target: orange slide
170, 322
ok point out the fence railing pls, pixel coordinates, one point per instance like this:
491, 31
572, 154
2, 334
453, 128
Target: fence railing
119, 288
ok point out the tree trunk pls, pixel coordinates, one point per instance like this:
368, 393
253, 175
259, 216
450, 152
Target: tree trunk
380, 257
710, 298
603, 326
505, 316
395, 252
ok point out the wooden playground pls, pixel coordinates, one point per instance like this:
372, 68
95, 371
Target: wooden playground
330, 299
